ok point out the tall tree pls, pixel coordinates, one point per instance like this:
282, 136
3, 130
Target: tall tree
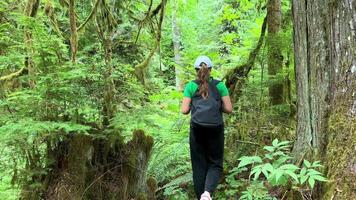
106, 28
325, 51
275, 59
176, 44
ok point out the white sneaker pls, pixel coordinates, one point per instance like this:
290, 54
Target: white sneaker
205, 196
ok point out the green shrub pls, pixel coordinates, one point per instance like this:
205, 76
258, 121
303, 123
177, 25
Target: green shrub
275, 169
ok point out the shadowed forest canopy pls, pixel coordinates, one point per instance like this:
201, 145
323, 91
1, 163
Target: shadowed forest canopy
90, 96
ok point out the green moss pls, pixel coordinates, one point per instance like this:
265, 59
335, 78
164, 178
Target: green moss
340, 158
142, 196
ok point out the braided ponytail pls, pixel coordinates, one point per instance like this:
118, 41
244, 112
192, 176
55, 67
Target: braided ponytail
203, 78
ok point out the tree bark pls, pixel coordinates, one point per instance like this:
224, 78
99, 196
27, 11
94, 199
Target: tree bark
325, 42
176, 46
73, 31
275, 58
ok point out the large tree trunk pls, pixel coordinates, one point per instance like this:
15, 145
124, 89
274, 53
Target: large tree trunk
325, 51
176, 46
275, 59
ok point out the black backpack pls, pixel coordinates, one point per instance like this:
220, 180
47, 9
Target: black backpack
207, 112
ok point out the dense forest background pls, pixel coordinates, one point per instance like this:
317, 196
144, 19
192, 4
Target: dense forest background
90, 94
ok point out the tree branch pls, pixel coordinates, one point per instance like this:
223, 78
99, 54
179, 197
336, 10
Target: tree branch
236, 79
92, 12
141, 67
149, 16
12, 75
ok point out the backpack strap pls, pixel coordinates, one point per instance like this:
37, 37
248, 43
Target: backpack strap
215, 82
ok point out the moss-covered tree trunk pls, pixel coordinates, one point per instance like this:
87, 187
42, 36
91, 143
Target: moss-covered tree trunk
73, 31
106, 27
31, 10
275, 59
88, 167
325, 51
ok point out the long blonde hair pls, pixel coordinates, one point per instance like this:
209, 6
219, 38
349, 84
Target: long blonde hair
203, 78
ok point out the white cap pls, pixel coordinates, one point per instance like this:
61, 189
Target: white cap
203, 59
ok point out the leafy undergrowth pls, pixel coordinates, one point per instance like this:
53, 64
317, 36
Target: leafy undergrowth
271, 177
7, 192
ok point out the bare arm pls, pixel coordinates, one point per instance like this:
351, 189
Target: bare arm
227, 106
186, 105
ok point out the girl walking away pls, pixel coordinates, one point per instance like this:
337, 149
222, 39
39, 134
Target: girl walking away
206, 98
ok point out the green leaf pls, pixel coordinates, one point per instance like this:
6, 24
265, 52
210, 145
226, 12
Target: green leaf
319, 178
237, 170
281, 160
257, 175
269, 148
269, 156
303, 179
268, 167
275, 142
303, 172
290, 167
246, 160
307, 163
311, 172
316, 164
311, 182
279, 174
265, 172
293, 175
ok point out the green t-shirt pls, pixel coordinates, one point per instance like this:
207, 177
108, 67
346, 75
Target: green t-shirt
192, 87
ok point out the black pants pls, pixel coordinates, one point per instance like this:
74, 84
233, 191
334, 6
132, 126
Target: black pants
206, 153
